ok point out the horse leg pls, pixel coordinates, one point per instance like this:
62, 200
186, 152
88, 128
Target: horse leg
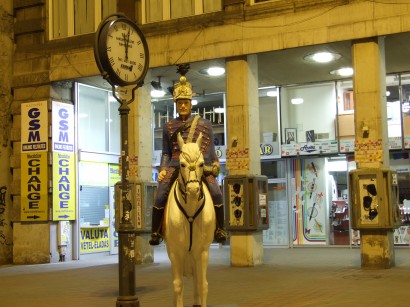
195, 279
177, 266
201, 283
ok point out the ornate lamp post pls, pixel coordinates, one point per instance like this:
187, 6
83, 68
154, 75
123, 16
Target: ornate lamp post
122, 56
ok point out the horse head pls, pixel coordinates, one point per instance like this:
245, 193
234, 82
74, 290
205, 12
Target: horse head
191, 162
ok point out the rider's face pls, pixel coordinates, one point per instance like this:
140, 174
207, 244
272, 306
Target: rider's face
184, 107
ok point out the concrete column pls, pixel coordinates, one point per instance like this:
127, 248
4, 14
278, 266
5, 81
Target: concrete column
242, 107
377, 245
6, 76
140, 148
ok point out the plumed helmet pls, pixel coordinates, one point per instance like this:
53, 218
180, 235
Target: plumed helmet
182, 89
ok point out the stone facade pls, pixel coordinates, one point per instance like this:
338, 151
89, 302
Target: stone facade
31, 68
6, 72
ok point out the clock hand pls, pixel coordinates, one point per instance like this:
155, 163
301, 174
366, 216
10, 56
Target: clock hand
127, 43
125, 46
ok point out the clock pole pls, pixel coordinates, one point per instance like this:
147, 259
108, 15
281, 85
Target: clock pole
122, 56
126, 231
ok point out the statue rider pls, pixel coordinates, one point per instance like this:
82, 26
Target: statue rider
190, 127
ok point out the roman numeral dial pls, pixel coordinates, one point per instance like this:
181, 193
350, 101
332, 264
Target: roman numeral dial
122, 52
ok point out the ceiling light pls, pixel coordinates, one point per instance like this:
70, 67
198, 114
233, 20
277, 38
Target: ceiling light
406, 107
296, 100
194, 102
322, 57
216, 71
219, 110
157, 92
213, 71
272, 93
343, 72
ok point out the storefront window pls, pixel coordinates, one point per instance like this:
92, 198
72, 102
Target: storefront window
274, 169
302, 106
405, 107
269, 122
338, 204
99, 120
399, 161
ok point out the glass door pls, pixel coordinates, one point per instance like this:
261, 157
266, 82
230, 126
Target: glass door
278, 232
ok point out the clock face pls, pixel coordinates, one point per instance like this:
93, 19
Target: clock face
123, 52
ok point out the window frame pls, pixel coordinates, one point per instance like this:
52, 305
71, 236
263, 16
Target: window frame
70, 18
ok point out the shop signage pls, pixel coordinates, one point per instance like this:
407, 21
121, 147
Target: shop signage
395, 143
34, 146
114, 174
237, 158
34, 126
269, 150
64, 186
347, 145
94, 239
34, 187
406, 141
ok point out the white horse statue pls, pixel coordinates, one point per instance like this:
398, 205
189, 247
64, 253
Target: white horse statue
189, 224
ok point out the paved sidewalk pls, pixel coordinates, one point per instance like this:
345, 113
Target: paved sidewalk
328, 276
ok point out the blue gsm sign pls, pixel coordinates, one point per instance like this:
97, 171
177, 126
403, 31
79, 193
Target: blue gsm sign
63, 125
34, 126
63, 143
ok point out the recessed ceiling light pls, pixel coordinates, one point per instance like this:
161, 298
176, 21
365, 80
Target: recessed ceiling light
157, 93
272, 93
322, 57
213, 71
194, 102
343, 72
296, 100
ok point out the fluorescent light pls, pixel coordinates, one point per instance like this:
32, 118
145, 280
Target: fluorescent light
272, 93
343, 72
157, 93
215, 71
322, 57
219, 110
296, 100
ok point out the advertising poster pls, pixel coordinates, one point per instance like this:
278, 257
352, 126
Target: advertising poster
34, 126
64, 192
114, 178
34, 147
94, 239
309, 201
63, 187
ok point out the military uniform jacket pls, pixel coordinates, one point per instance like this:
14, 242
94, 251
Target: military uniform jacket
171, 150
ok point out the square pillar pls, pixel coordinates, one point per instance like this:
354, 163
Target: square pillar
242, 107
140, 153
377, 245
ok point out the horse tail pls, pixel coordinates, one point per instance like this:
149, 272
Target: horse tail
188, 269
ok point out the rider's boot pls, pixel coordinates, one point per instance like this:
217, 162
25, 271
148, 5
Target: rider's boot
220, 234
157, 215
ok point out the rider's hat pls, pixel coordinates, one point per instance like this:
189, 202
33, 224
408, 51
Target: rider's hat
182, 89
